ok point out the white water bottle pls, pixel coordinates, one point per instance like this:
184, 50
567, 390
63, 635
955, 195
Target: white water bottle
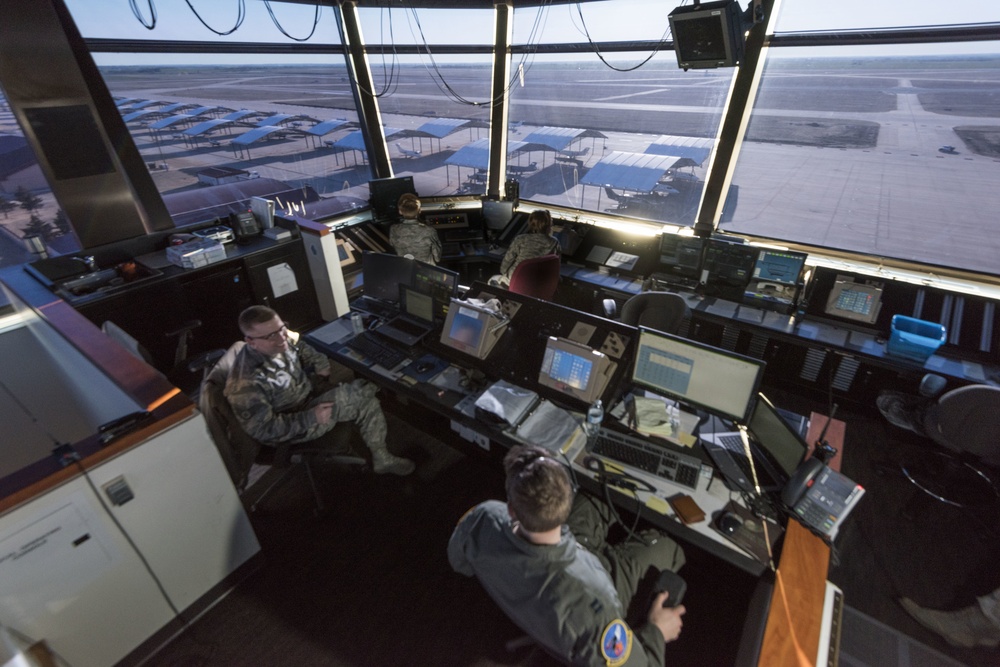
595, 415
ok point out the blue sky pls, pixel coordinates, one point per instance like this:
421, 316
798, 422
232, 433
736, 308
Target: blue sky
604, 21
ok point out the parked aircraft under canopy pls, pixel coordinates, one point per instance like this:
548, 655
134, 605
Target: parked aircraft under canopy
208, 125
561, 138
325, 127
696, 149
141, 113
355, 141
639, 172
477, 154
172, 120
276, 119
443, 127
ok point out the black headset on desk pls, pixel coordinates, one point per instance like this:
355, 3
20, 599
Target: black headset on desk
623, 480
620, 479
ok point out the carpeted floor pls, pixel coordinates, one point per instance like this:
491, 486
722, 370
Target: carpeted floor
370, 583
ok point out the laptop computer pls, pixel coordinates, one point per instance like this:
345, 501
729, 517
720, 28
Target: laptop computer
776, 446
415, 319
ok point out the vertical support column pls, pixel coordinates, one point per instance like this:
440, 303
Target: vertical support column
503, 15
735, 117
369, 114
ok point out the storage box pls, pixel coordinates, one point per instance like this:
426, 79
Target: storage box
193, 254
914, 339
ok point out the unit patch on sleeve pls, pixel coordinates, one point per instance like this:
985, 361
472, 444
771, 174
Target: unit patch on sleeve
616, 643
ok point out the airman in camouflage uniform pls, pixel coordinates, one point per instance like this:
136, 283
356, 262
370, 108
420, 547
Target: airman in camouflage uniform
279, 390
551, 571
412, 237
536, 242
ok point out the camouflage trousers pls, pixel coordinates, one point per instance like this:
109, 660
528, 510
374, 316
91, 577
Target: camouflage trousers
354, 401
633, 566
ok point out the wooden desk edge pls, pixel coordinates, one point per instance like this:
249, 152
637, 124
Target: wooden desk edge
791, 636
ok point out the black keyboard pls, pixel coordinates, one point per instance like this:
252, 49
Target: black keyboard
638, 453
371, 347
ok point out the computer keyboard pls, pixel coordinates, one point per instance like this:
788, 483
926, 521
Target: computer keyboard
371, 347
672, 466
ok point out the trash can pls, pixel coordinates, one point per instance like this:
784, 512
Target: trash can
914, 339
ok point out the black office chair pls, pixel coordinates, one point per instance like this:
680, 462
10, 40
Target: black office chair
187, 373
965, 422
663, 311
240, 452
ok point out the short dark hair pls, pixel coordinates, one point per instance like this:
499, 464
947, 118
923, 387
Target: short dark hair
538, 488
540, 221
255, 315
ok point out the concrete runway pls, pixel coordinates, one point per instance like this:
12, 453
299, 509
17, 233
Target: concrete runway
899, 198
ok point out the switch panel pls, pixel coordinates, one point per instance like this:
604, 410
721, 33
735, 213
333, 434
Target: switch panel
118, 491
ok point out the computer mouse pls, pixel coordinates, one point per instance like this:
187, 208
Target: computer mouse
728, 523
424, 367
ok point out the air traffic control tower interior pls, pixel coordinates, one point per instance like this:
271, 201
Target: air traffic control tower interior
816, 184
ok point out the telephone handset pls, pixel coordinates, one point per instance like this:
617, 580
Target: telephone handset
801, 480
244, 225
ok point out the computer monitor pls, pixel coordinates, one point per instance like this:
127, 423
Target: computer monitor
384, 193
497, 214
707, 35
783, 267
723, 383
382, 274
439, 283
471, 329
729, 264
776, 436
679, 255
577, 370
854, 301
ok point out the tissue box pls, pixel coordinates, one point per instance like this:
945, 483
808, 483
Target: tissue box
200, 252
914, 339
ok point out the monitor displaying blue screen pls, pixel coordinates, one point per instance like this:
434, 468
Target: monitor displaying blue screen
465, 329
570, 369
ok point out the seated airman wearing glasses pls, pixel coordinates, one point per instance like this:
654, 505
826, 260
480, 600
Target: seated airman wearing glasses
279, 390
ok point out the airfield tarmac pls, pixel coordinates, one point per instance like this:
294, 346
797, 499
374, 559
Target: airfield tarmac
836, 156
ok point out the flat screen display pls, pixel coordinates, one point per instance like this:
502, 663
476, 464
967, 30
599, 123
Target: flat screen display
779, 266
723, 383
574, 369
776, 436
854, 301
440, 284
468, 329
385, 192
497, 214
382, 274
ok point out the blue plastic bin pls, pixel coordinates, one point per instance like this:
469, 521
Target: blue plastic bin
914, 339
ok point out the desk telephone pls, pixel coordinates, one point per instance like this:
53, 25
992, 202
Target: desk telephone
244, 225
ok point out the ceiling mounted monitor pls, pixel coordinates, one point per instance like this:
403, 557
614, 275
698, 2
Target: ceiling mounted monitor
707, 35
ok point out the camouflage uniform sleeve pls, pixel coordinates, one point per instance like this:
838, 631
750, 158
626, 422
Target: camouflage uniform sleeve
252, 403
510, 257
314, 362
436, 250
